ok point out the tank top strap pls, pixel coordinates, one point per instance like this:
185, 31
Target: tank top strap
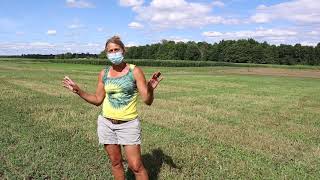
106, 72
132, 66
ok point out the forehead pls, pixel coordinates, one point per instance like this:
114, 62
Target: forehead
113, 46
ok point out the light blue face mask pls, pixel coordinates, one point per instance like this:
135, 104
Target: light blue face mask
115, 58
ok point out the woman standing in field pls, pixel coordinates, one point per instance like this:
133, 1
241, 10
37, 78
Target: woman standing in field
119, 124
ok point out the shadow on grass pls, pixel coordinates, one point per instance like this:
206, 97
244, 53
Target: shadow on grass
153, 162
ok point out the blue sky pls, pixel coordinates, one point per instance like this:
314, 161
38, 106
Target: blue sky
57, 26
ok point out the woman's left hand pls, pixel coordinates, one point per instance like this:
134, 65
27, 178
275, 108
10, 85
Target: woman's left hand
155, 80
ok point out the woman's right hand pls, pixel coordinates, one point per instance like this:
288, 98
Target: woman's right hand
71, 85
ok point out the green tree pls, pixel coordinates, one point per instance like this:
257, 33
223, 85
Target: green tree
68, 55
180, 50
192, 51
166, 50
102, 55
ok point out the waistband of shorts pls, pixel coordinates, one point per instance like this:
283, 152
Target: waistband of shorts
116, 121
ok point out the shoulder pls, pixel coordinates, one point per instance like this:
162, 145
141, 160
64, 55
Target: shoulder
137, 70
138, 73
102, 73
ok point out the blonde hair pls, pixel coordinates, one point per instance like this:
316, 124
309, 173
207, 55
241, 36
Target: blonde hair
116, 40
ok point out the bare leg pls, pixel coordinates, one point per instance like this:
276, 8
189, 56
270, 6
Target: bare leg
133, 154
114, 153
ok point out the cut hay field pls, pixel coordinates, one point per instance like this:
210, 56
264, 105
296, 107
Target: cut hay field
205, 123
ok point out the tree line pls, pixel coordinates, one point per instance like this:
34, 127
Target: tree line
235, 51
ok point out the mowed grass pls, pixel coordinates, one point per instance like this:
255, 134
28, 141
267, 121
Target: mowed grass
205, 123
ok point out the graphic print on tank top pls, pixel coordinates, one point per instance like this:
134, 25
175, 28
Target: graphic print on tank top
120, 91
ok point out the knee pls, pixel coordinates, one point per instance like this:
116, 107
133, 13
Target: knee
116, 163
136, 166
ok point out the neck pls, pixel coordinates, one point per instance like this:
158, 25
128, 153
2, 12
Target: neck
119, 67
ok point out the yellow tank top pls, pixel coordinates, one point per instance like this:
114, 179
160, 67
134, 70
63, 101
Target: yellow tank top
120, 101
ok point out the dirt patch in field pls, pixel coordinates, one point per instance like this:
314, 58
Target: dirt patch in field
274, 72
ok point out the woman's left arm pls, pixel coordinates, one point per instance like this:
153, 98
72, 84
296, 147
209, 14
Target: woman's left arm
145, 88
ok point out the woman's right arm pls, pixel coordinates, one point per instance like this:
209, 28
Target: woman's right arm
95, 99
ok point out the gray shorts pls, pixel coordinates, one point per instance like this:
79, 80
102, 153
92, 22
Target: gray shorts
128, 133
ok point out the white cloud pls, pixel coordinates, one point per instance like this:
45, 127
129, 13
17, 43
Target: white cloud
75, 26
130, 44
49, 48
178, 39
135, 25
51, 32
218, 3
41, 44
76, 47
20, 33
261, 18
273, 36
25, 48
162, 14
260, 33
132, 3
79, 4
314, 33
93, 44
308, 43
297, 11
212, 34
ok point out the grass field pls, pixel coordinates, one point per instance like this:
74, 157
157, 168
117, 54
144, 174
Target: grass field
205, 123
